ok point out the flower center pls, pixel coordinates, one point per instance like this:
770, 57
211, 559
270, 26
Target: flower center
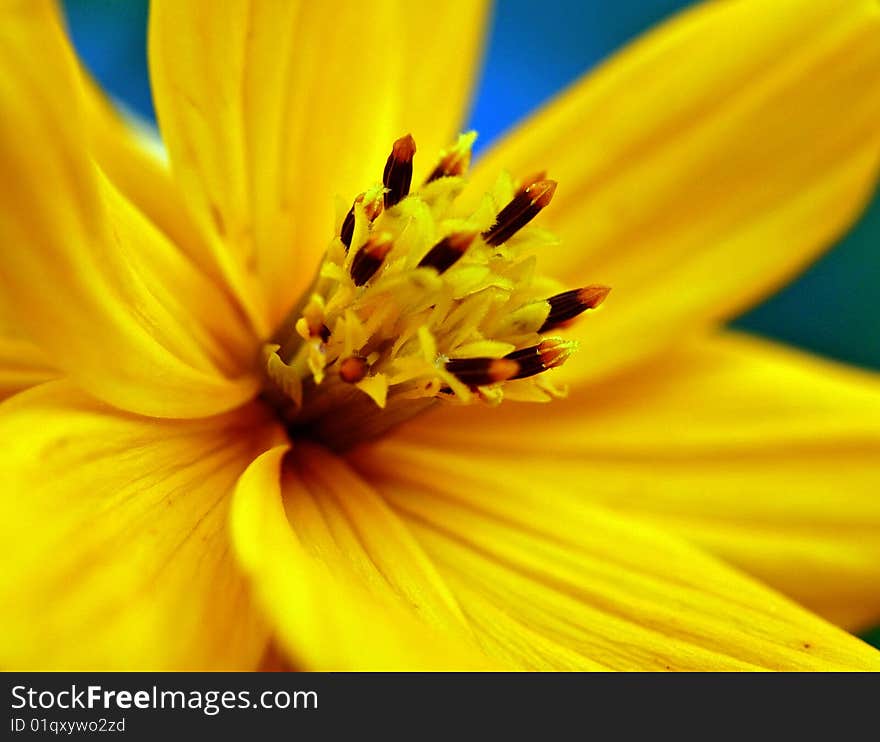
418, 304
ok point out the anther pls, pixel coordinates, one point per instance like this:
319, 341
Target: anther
353, 369
397, 177
454, 161
346, 232
482, 371
369, 259
569, 304
523, 207
448, 251
536, 359
372, 210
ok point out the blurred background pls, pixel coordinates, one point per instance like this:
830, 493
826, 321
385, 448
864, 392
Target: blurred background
534, 51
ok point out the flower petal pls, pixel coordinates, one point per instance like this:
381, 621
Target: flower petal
342, 579
270, 110
553, 583
113, 537
706, 164
762, 455
102, 292
127, 158
21, 366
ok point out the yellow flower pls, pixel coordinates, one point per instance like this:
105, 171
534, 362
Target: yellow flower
157, 514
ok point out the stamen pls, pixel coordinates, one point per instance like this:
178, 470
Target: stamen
547, 354
455, 161
569, 304
524, 207
372, 210
353, 369
397, 177
346, 232
369, 258
377, 338
482, 371
448, 251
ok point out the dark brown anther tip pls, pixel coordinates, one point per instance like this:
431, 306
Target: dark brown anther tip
448, 251
569, 304
353, 369
397, 177
553, 352
523, 207
541, 192
372, 209
536, 359
404, 148
369, 259
346, 231
592, 296
453, 163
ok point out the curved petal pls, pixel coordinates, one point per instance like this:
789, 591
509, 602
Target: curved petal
706, 164
124, 154
21, 366
271, 110
764, 456
552, 583
341, 578
102, 292
113, 537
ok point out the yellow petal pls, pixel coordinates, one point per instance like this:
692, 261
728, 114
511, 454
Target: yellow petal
113, 536
271, 110
552, 583
145, 180
707, 163
765, 456
22, 365
102, 292
342, 579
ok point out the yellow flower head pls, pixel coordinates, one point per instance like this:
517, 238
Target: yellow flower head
417, 304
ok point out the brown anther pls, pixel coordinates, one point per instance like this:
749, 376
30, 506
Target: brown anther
482, 371
541, 192
346, 232
397, 177
353, 369
536, 359
371, 209
554, 352
454, 164
448, 251
369, 259
523, 207
569, 304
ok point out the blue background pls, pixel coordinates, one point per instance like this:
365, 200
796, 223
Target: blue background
535, 49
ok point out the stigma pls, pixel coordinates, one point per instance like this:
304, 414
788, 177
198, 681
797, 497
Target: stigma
419, 303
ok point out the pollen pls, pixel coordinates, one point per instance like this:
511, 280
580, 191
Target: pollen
420, 302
